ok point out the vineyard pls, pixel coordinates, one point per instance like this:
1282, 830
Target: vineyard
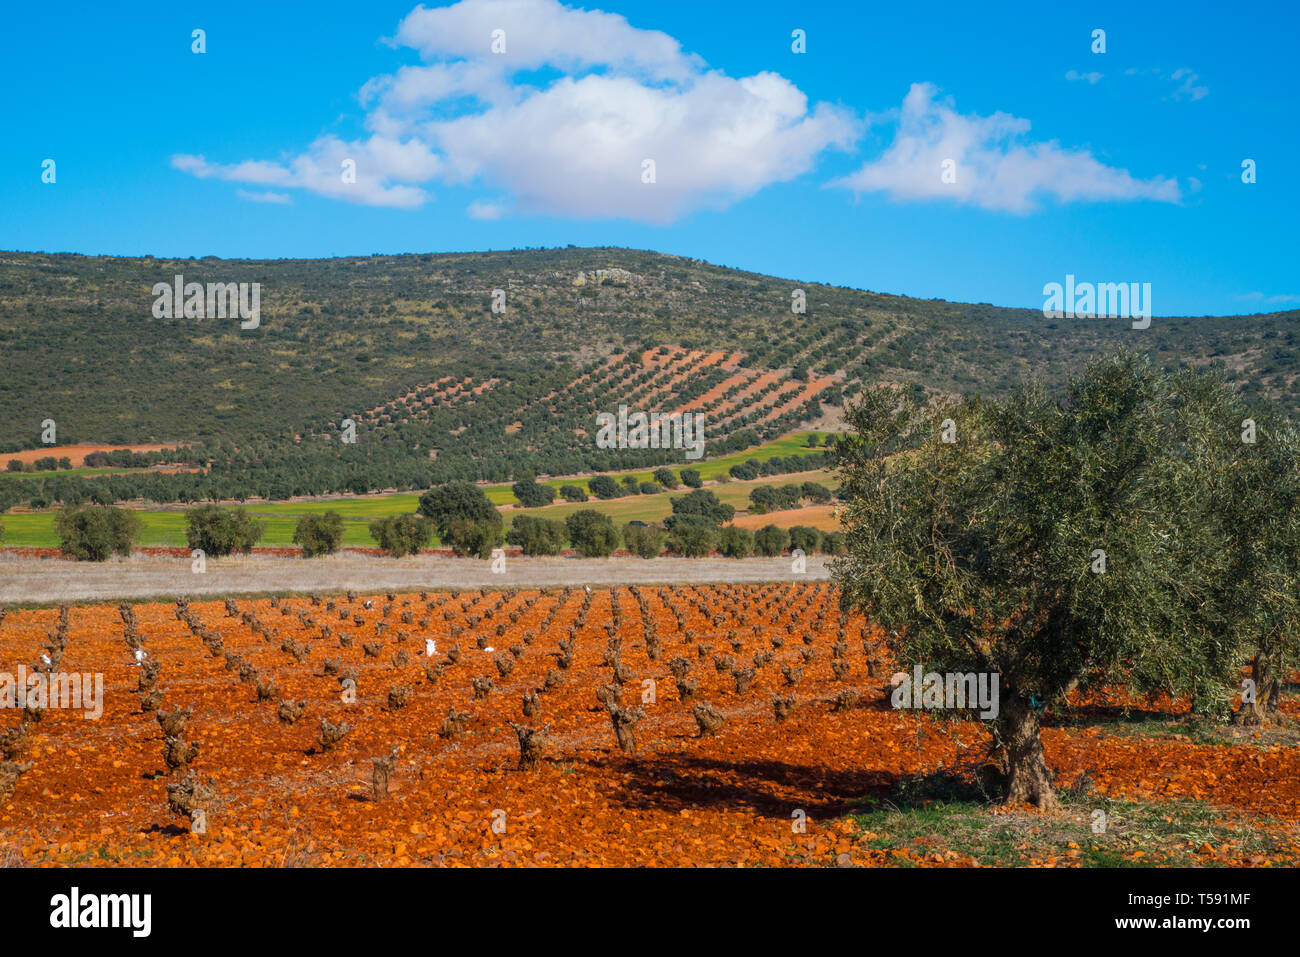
725, 725
670, 379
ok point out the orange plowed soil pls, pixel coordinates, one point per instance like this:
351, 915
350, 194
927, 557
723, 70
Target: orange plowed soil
76, 454
817, 516
96, 791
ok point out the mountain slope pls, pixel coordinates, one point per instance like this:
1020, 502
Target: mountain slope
410, 349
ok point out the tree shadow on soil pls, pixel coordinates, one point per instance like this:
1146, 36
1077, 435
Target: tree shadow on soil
768, 788
774, 789
167, 830
1105, 714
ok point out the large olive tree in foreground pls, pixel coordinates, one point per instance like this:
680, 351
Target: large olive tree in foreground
1053, 539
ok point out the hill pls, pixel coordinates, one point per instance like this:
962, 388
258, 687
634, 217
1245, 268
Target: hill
441, 386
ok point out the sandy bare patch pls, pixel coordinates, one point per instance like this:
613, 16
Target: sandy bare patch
52, 580
818, 516
77, 453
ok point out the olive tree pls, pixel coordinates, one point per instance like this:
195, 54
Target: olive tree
319, 533
1249, 496
1047, 539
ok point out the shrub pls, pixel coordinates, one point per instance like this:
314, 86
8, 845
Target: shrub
736, 542
473, 539
665, 477
650, 488
771, 498
693, 538
834, 543
456, 501
762, 500
743, 472
319, 534
817, 494
691, 478
400, 535
94, 532
701, 504
532, 495
603, 487
572, 493
220, 531
805, 537
537, 536
592, 533
771, 540
644, 541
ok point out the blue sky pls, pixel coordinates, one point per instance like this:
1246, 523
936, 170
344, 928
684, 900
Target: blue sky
1117, 166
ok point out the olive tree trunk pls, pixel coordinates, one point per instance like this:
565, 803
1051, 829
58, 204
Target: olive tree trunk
1264, 708
1017, 761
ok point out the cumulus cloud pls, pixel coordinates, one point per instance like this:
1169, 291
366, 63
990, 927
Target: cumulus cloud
376, 171
482, 209
994, 165
574, 142
538, 33
1092, 78
588, 141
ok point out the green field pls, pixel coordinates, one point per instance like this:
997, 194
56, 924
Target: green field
796, 443
654, 508
167, 528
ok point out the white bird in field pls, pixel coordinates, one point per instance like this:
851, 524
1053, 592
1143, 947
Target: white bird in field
45, 658
139, 656
368, 604
588, 587
430, 647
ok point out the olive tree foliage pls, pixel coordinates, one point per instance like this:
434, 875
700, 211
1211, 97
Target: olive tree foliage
222, 531
537, 536
319, 533
401, 535
96, 532
1252, 505
643, 541
531, 494
456, 501
1056, 539
592, 533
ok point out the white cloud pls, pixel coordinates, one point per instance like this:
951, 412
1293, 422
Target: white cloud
1276, 300
384, 167
996, 166
1188, 86
544, 33
482, 209
572, 145
1092, 77
713, 142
